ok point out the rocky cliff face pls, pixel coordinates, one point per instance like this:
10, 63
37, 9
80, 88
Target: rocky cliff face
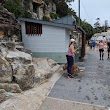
16, 66
8, 23
41, 8
19, 71
16, 70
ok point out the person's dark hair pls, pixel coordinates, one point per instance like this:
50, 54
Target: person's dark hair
70, 43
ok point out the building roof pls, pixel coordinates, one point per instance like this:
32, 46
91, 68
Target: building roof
68, 20
50, 23
81, 29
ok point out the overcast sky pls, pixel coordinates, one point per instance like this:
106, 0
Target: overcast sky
92, 9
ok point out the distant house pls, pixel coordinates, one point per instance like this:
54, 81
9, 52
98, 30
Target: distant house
47, 39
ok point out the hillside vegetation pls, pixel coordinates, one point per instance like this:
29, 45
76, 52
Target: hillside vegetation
20, 7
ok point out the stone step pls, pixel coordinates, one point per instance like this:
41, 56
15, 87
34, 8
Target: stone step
20, 48
19, 43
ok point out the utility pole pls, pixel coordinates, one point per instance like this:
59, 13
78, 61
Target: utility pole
79, 11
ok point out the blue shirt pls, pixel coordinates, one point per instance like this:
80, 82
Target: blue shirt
93, 43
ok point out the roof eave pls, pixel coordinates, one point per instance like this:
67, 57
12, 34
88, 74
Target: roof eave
81, 29
71, 27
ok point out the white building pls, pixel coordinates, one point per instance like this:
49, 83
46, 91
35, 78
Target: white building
47, 39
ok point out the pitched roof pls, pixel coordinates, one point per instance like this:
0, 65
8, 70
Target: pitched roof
68, 20
50, 23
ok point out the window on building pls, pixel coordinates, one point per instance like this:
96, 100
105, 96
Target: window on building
33, 28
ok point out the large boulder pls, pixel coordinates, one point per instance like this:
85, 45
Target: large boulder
44, 69
23, 68
16, 66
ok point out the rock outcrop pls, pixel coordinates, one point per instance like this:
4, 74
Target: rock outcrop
16, 66
19, 71
8, 23
44, 69
5, 95
5, 71
13, 88
21, 68
16, 70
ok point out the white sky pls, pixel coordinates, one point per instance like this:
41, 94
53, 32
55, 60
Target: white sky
92, 9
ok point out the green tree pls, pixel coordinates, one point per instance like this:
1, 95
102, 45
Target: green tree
97, 25
88, 29
15, 7
72, 12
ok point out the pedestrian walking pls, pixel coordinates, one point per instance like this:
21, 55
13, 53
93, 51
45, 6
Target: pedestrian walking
93, 44
101, 49
108, 48
70, 58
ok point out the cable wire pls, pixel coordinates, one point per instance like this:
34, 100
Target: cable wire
85, 10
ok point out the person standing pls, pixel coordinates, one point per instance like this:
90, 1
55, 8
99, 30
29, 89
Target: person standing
101, 49
108, 46
70, 57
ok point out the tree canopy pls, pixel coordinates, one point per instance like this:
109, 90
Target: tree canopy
15, 6
88, 29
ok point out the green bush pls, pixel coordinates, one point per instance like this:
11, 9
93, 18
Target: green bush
53, 15
26, 14
45, 18
14, 6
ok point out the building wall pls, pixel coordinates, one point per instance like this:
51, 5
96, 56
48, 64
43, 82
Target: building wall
53, 43
51, 40
67, 40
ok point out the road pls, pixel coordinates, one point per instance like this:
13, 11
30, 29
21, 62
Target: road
90, 90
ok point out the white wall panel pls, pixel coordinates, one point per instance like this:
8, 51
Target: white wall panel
51, 40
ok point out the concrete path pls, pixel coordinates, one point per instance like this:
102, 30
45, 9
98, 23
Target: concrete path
89, 91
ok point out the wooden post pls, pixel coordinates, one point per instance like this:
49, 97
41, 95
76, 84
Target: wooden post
83, 45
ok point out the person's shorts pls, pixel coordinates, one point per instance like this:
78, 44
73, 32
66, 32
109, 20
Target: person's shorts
108, 49
101, 50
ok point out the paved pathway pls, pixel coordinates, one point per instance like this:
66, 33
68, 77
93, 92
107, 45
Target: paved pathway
92, 87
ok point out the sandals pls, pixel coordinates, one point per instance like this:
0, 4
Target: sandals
69, 76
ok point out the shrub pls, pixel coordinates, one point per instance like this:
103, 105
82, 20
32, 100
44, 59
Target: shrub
53, 15
45, 18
